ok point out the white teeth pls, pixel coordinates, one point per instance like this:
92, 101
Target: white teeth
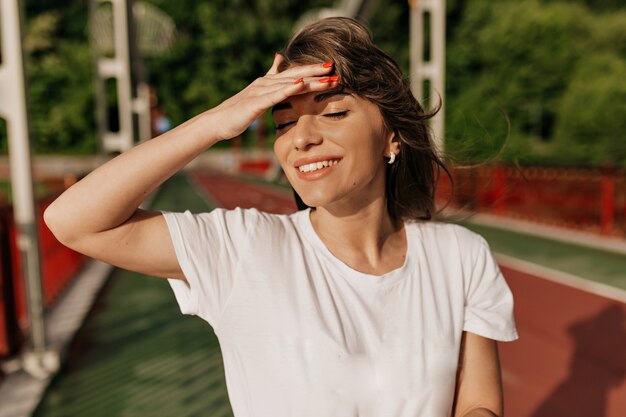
317, 165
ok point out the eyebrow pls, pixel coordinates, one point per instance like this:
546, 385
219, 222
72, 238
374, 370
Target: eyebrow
318, 98
281, 106
325, 96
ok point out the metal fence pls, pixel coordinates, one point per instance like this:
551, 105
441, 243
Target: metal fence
590, 200
59, 265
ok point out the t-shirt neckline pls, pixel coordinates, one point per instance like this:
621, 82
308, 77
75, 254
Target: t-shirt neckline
349, 273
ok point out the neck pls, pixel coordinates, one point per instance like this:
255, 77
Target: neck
367, 239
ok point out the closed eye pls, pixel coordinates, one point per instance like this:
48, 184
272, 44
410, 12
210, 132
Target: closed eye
337, 115
280, 126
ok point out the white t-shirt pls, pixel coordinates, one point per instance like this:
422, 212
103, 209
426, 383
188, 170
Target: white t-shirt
303, 334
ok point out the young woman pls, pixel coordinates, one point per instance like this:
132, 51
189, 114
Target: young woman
360, 305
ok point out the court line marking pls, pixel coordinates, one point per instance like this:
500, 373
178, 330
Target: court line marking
559, 234
563, 278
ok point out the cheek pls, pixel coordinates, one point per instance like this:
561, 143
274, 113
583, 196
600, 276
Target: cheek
367, 165
370, 149
280, 150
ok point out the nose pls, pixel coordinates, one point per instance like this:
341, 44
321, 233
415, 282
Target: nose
305, 133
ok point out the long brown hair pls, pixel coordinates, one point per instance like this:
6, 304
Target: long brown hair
367, 71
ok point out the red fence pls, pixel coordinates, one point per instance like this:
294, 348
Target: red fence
591, 200
58, 266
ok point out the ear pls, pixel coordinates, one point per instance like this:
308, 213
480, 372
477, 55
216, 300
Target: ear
392, 143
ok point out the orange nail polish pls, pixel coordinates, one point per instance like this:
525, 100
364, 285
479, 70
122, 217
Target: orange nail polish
327, 64
332, 79
298, 81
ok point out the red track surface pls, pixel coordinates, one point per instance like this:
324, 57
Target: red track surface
570, 360
230, 192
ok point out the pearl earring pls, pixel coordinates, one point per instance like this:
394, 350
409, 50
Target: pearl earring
392, 158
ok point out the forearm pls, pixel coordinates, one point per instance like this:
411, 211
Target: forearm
117, 188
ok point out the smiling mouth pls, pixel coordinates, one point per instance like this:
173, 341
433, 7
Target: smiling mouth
314, 166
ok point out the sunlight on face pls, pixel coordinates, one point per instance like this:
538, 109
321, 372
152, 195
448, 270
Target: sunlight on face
331, 146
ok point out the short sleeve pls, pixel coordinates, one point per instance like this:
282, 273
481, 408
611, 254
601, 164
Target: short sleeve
209, 247
488, 299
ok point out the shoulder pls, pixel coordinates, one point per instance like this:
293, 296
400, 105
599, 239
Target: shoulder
447, 233
232, 217
233, 222
452, 244
258, 224
233, 229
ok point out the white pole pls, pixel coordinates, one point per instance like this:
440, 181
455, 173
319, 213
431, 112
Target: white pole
141, 106
124, 86
117, 68
13, 108
434, 68
141, 97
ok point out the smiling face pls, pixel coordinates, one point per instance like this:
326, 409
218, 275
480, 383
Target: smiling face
332, 147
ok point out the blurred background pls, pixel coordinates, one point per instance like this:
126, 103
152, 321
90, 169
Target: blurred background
533, 131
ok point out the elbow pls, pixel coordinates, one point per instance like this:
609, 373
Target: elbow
57, 224
49, 219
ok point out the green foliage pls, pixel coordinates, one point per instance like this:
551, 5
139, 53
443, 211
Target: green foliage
592, 120
395, 42
599, 5
609, 33
59, 78
222, 46
518, 61
60, 94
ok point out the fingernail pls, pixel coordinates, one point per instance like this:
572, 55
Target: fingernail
275, 55
328, 64
329, 79
298, 81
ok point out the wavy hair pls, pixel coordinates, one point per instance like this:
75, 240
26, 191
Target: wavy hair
367, 71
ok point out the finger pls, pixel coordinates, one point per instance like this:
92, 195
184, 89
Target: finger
312, 84
304, 71
272, 95
278, 58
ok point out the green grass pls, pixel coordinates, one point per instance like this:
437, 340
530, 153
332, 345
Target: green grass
136, 355
593, 264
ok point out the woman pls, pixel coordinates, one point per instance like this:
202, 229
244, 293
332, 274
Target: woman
359, 306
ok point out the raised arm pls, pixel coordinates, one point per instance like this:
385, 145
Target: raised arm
99, 215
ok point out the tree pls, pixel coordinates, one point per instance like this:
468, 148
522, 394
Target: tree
61, 99
511, 60
222, 46
591, 122
59, 75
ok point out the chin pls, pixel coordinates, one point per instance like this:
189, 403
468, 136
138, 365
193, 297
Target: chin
317, 199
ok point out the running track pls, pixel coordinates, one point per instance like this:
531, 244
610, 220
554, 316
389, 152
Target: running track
570, 360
